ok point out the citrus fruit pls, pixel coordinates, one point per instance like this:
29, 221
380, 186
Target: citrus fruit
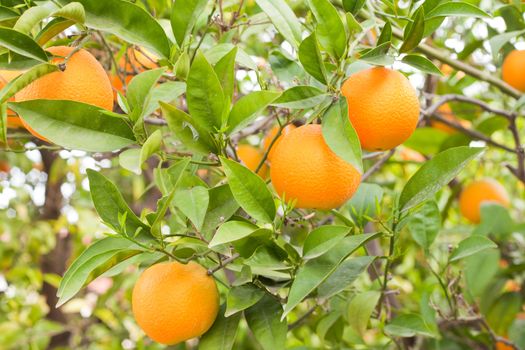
251, 157
446, 112
410, 155
173, 302
478, 192
116, 83
83, 80
382, 106
513, 69
5, 77
306, 170
271, 135
139, 59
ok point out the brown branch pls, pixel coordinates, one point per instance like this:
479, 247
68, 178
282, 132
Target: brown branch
377, 165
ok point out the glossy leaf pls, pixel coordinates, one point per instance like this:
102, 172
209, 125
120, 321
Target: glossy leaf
435, 174
300, 97
242, 297
264, 321
421, 63
330, 29
21, 44
458, 8
470, 246
250, 191
311, 59
232, 231
75, 125
322, 239
247, 108
193, 203
184, 13
340, 135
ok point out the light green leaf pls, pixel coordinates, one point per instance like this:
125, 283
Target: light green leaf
378, 55
435, 174
340, 136
193, 203
247, 108
498, 41
15, 85
422, 63
132, 159
283, 19
184, 13
322, 239
311, 59
330, 29
345, 274
31, 17
300, 97
459, 9
75, 125
232, 231
140, 87
470, 246
21, 44
250, 191
225, 70
408, 325
73, 11
217, 52
360, 309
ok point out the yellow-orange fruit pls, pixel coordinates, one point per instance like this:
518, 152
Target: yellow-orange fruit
140, 59
478, 192
173, 302
383, 107
251, 157
83, 80
502, 346
271, 135
306, 170
446, 112
116, 83
14, 122
513, 69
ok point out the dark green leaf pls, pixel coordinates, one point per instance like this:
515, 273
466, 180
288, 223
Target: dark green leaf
311, 59
246, 109
344, 276
434, 174
424, 224
378, 55
21, 44
386, 34
353, 6
414, 31
470, 246
221, 335
264, 321
242, 297
330, 29
322, 239
300, 97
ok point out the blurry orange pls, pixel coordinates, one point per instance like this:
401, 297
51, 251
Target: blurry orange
306, 170
410, 155
116, 83
173, 302
140, 59
478, 192
4, 166
251, 157
382, 106
271, 135
513, 69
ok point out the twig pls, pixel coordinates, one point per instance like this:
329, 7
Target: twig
223, 263
303, 318
377, 165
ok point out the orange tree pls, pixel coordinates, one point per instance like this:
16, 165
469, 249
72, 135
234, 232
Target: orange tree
262, 174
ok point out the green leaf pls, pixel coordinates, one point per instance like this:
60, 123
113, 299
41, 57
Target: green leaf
75, 125
435, 174
132, 159
217, 52
470, 246
21, 44
193, 203
364, 202
498, 41
242, 297
110, 205
360, 309
3, 123
480, 269
248, 107
459, 9
330, 28
340, 136
165, 92
344, 276
232, 231
30, 18
503, 312
52, 29
222, 333
386, 34
495, 220
221, 207
184, 13
250, 191
283, 19
15, 85
353, 6
264, 321
426, 140
378, 55
94, 261
73, 11
424, 225
322, 239
127, 21
421, 63
414, 31
205, 95
7, 14
315, 271
300, 97
139, 89
352, 24
408, 325
225, 70
311, 59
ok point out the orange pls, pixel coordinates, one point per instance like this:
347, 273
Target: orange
513, 69
306, 170
173, 302
116, 83
140, 59
14, 122
446, 112
4, 166
478, 192
502, 346
408, 154
83, 80
271, 135
251, 157
383, 107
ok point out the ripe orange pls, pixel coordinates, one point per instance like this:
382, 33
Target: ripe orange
251, 157
513, 69
271, 135
140, 59
305, 169
84, 80
383, 107
116, 83
478, 192
446, 112
502, 346
173, 302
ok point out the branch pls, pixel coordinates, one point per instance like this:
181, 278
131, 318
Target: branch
377, 165
460, 98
